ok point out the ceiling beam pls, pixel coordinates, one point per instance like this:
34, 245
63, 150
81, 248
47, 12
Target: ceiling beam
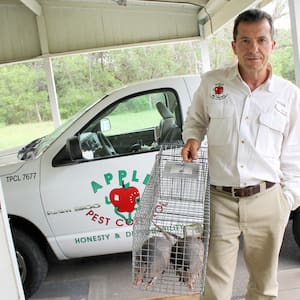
220, 16
200, 3
34, 6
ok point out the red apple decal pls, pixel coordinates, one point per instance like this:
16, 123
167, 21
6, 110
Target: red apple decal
218, 90
124, 198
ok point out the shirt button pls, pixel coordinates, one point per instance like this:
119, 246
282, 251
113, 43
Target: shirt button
243, 141
242, 166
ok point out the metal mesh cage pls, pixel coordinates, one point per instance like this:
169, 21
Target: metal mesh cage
171, 227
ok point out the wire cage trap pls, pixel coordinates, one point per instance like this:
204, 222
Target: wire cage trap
171, 227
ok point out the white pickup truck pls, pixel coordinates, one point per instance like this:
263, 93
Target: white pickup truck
75, 191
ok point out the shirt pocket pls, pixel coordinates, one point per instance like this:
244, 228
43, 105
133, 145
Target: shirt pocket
221, 124
270, 133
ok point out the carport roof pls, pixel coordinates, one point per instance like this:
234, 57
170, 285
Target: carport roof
31, 29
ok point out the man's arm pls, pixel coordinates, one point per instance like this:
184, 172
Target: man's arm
290, 156
195, 125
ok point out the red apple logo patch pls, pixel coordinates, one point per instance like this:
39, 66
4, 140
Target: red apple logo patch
219, 89
124, 199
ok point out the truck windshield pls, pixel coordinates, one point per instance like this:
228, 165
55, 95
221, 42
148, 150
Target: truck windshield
38, 146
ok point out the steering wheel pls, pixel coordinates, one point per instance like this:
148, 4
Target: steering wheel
107, 147
135, 147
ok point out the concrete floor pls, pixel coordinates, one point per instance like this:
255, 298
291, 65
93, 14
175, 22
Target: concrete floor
109, 278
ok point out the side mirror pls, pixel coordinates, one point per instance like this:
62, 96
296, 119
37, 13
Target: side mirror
73, 148
105, 125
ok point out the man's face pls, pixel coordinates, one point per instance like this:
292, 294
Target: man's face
253, 46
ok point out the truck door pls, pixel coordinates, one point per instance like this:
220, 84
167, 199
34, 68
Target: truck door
90, 202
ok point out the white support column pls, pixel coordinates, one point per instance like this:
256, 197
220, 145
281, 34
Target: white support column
205, 59
36, 8
205, 55
52, 91
294, 6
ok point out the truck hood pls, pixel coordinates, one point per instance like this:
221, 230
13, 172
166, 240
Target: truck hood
9, 162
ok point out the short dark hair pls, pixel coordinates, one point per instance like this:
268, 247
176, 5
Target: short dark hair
251, 16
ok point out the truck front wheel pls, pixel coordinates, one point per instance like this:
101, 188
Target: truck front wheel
32, 263
296, 225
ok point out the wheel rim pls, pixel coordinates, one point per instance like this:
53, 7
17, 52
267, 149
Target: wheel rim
22, 266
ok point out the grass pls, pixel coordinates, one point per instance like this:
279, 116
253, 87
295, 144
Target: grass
127, 122
20, 134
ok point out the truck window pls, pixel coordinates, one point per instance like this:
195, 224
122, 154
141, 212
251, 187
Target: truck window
135, 124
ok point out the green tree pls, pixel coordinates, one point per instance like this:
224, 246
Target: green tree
83, 78
282, 58
23, 94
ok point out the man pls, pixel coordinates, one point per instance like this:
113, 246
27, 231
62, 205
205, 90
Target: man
252, 121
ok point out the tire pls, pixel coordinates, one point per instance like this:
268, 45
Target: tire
32, 262
296, 226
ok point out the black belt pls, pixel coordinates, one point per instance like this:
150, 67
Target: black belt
246, 191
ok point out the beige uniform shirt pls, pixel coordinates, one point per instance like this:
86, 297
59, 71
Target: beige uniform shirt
253, 136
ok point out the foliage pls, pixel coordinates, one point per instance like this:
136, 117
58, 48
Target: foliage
83, 78
220, 49
282, 58
23, 94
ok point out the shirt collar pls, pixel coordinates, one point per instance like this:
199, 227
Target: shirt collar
234, 72
268, 84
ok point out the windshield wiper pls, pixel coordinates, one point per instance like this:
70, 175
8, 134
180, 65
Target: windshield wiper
27, 152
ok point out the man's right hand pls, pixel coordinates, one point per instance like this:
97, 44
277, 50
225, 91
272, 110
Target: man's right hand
190, 149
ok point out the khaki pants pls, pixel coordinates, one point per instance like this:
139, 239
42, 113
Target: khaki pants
261, 219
